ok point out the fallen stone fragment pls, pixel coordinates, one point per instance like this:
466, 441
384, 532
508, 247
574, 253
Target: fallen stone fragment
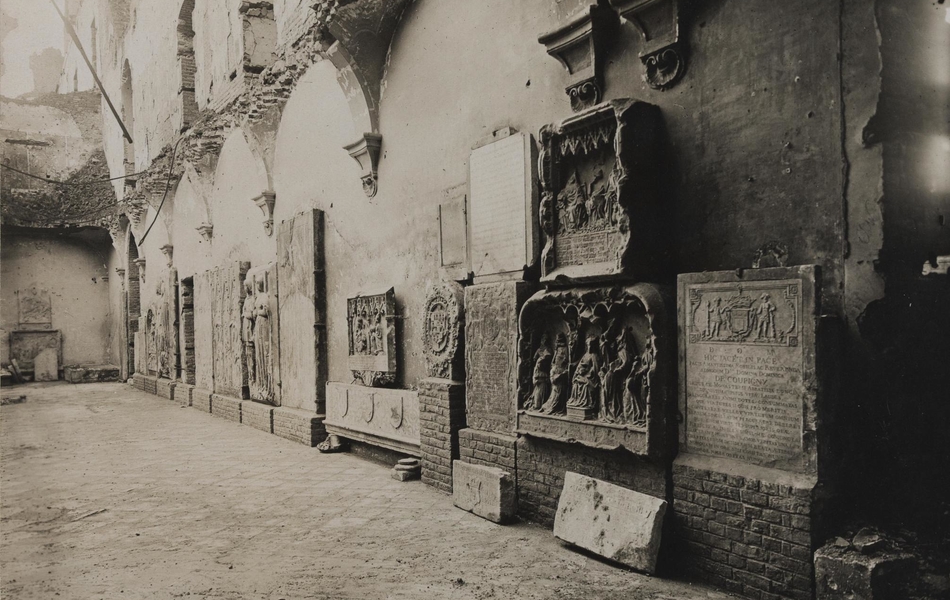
866, 540
485, 491
614, 522
843, 573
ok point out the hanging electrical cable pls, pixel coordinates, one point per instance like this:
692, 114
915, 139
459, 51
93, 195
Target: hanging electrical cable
168, 179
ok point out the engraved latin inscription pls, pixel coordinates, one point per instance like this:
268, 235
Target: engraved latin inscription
500, 189
744, 366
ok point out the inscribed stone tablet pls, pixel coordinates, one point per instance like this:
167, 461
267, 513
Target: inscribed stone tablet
501, 212
747, 359
35, 309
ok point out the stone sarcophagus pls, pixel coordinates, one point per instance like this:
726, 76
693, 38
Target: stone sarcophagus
378, 416
596, 367
371, 322
259, 331
600, 209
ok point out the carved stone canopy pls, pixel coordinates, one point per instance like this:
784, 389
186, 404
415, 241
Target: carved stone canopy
658, 21
365, 151
442, 323
596, 367
265, 202
581, 46
600, 212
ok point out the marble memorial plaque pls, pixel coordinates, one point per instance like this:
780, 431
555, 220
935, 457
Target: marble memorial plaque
204, 363
302, 301
501, 209
747, 360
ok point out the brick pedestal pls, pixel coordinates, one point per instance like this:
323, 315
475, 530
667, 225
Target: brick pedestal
201, 399
441, 416
299, 426
257, 415
165, 388
226, 407
747, 529
145, 383
182, 393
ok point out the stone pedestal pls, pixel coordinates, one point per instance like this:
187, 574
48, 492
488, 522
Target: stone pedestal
201, 399
441, 415
165, 388
257, 415
299, 426
182, 393
226, 407
485, 491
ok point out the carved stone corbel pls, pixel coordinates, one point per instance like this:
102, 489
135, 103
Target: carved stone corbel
120, 272
582, 46
663, 56
140, 263
167, 250
206, 230
265, 202
365, 151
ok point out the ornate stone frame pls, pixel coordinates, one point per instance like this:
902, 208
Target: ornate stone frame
443, 324
646, 304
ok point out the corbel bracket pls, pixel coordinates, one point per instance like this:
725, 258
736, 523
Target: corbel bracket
582, 46
140, 263
365, 151
167, 250
658, 22
206, 230
265, 202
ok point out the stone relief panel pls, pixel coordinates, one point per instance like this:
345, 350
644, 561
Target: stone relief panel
596, 366
598, 194
204, 331
747, 363
34, 309
442, 325
302, 300
259, 331
227, 300
372, 338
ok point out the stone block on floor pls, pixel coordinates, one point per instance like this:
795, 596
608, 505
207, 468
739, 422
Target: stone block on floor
258, 415
226, 407
487, 492
201, 399
609, 520
844, 572
90, 373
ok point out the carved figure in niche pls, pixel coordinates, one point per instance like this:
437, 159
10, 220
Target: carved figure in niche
247, 330
376, 334
586, 382
262, 341
719, 319
710, 317
619, 357
765, 318
597, 200
560, 378
636, 387
360, 333
571, 203
541, 377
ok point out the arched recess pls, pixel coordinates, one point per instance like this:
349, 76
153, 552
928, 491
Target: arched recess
261, 144
188, 105
128, 116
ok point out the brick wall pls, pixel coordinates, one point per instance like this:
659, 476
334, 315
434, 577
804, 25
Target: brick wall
488, 449
257, 415
145, 383
226, 407
441, 415
744, 534
541, 465
299, 426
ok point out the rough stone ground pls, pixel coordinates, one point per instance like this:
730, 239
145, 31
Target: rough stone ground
108, 492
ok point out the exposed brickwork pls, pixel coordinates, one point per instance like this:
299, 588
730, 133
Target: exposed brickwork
226, 407
441, 415
201, 399
541, 465
257, 415
182, 393
749, 536
488, 449
299, 426
165, 388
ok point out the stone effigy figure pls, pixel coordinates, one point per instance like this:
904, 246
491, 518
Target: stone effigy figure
262, 341
614, 373
376, 334
361, 333
247, 330
541, 377
586, 383
637, 387
560, 378
765, 314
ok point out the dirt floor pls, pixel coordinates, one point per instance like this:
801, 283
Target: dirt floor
108, 492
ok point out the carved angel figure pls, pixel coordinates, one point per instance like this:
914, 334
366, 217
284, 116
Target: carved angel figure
560, 378
541, 377
586, 383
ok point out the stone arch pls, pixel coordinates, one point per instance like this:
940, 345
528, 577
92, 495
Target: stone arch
187, 104
128, 116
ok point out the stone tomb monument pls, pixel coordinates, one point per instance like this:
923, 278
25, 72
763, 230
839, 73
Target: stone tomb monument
260, 334
371, 323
